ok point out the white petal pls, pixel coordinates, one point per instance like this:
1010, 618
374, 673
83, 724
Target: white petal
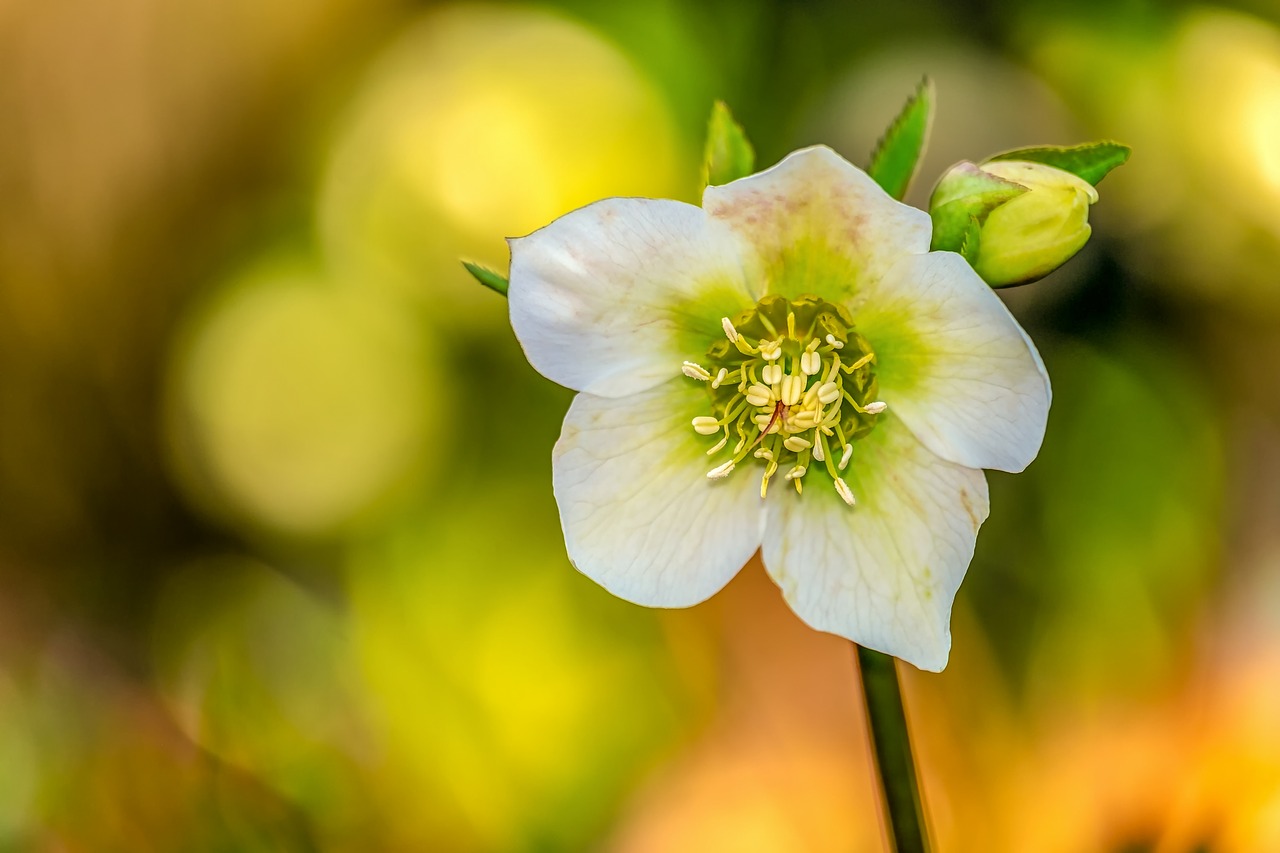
611, 298
885, 572
819, 225
639, 515
954, 364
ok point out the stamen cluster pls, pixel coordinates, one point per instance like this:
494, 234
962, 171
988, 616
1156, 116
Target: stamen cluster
792, 385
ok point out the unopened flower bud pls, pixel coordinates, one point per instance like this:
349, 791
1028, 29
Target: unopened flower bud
1036, 232
1014, 220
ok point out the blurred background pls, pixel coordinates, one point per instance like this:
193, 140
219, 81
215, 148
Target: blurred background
280, 567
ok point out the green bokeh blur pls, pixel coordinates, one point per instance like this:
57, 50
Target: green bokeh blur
280, 567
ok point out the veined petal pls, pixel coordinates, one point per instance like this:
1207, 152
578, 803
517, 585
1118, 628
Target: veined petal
954, 364
611, 298
818, 224
882, 573
639, 515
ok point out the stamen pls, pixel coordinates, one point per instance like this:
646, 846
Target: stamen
834, 371
706, 425
695, 371
721, 471
865, 360
769, 471
792, 388
842, 489
760, 396
729, 331
795, 443
804, 419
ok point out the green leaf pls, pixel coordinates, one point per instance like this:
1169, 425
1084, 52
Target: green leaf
897, 156
963, 199
1091, 161
487, 277
728, 154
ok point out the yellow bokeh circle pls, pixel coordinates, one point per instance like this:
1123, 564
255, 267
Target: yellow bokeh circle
477, 124
297, 404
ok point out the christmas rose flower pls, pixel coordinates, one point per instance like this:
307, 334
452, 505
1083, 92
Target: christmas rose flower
785, 368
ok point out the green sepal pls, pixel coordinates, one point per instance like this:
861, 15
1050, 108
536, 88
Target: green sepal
728, 155
1090, 162
897, 155
969, 240
487, 277
961, 203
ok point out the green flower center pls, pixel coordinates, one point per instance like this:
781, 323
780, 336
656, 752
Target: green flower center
793, 385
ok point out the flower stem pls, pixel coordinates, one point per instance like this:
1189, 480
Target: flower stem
892, 745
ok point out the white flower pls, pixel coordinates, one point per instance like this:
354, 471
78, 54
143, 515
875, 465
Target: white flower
786, 368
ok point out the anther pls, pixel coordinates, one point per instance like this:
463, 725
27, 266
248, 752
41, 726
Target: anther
795, 443
759, 395
831, 339
771, 374
810, 362
763, 453
770, 350
695, 371
767, 422
792, 388
844, 457
875, 408
828, 393
706, 425
842, 489
804, 419
796, 473
715, 383
729, 331
721, 471
719, 445
819, 453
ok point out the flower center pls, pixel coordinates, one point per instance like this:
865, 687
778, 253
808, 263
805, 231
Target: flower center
792, 386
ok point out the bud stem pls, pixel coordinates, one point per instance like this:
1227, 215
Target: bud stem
891, 743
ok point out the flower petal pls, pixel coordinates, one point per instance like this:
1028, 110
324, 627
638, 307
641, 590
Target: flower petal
884, 572
954, 364
819, 225
639, 515
613, 297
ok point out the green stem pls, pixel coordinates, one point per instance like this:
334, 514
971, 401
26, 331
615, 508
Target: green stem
891, 741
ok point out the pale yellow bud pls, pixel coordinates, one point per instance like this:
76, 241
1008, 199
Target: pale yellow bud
1035, 233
